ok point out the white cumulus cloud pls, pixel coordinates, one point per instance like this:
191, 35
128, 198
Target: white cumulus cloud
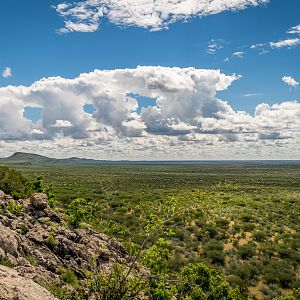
291, 42
187, 121
85, 16
7, 72
238, 54
285, 43
294, 30
62, 124
290, 81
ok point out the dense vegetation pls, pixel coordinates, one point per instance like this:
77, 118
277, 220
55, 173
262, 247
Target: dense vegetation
239, 218
14, 184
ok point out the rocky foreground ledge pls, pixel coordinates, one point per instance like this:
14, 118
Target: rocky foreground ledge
13, 286
37, 244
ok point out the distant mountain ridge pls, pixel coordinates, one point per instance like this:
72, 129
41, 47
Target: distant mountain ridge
36, 159
22, 158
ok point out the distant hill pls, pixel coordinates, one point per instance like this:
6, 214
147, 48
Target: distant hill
36, 159
28, 158
21, 158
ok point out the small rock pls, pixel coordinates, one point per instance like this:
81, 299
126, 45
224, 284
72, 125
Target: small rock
52, 215
44, 220
39, 201
39, 214
7, 222
23, 226
2, 195
8, 241
118, 246
8, 198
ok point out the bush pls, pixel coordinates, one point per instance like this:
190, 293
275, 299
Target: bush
115, 286
222, 222
51, 241
63, 293
296, 294
212, 231
14, 184
80, 210
6, 263
248, 226
116, 229
159, 291
215, 256
214, 245
259, 236
247, 251
213, 250
202, 282
14, 207
279, 272
157, 257
246, 218
32, 260
247, 271
69, 277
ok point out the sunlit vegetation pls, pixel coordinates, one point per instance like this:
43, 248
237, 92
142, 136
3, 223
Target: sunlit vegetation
241, 219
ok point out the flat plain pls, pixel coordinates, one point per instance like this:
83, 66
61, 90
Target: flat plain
239, 217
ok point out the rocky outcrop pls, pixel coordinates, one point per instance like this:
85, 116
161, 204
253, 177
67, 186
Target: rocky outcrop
16, 287
39, 201
39, 244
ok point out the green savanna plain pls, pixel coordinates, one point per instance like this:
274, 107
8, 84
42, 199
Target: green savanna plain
239, 217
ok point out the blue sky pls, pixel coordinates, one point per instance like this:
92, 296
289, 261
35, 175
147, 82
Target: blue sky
33, 48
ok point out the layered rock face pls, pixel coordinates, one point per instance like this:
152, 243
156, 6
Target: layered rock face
38, 244
14, 286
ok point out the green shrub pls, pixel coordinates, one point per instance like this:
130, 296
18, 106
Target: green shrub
279, 272
247, 251
212, 231
248, 226
259, 236
199, 235
14, 207
296, 293
202, 282
69, 277
215, 256
214, 245
247, 271
32, 260
63, 293
14, 184
5, 262
80, 210
157, 257
213, 250
116, 285
284, 251
246, 217
51, 241
159, 291
116, 229
271, 291
222, 222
